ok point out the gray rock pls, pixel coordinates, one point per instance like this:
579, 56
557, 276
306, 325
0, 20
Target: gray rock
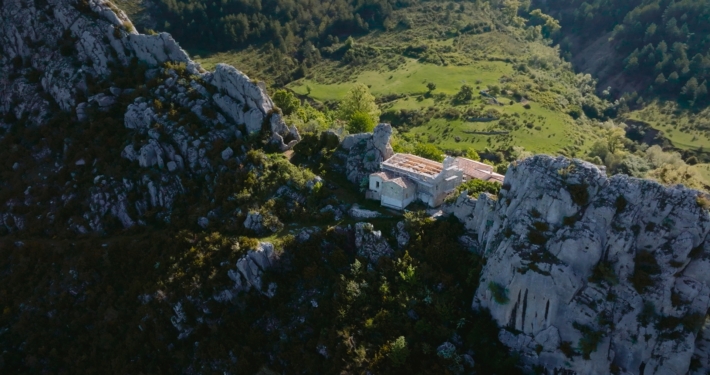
101, 43
370, 243
554, 222
203, 222
359, 213
81, 112
400, 233
102, 100
254, 222
363, 153
150, 155
227, 153
129, 153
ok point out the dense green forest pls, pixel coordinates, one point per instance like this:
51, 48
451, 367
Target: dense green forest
289, 24
661, 45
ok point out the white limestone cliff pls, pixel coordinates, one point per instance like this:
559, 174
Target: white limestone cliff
594, 275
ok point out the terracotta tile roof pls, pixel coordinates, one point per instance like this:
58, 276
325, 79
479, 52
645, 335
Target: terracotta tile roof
468, 165
497, 178
403, 182
385, 175
478, 170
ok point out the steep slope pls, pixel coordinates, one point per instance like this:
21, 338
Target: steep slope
104, 128
591, 274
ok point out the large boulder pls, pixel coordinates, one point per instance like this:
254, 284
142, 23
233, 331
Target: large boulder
362, 154
370, 243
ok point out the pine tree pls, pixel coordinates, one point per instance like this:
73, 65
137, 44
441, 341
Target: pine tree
660, 80
701, 94
689, 90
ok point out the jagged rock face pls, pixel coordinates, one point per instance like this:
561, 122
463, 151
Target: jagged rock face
52, 54
617, 269
246, 275
362, 153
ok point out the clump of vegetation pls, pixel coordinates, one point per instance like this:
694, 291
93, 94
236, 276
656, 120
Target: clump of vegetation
429, 151
536, 237
567, 349
703, 201
590, 339
398, 351
604, 271
579, 193
360, 122
569, 220
645, 269
286, 101
179, 67
475, 187
500, 293
620, 204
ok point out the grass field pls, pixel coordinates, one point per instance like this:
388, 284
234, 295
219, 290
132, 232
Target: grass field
410, 79
553, 131
449, 60
685, 129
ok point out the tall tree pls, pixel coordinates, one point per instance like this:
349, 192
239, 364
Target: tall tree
359, 99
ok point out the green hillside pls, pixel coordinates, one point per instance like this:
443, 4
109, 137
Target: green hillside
451, 45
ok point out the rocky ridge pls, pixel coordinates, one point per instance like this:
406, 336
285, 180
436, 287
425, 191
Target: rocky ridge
83, 59
594, 275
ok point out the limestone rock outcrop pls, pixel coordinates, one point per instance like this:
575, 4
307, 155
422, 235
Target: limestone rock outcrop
74, 56
361, 154
594, 275
370, 243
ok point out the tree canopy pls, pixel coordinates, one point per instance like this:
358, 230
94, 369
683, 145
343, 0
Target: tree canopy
359, 100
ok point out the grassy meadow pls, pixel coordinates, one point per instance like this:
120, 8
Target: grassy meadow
685, 129
536, 86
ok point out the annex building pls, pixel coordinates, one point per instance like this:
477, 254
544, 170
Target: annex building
405, 178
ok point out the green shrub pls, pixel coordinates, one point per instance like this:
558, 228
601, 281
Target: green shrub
429, 151
579, 193
590, 339
620, 203
536, 237
645, 268
475, 187
604, 271
541, 226
285, 100
398, 351
693, 322
360, 122
569, 220
567, 349
647, 314
500, 293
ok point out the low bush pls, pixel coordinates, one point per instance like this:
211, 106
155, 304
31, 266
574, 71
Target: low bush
579, 193
604, 271
590, 339
645, 268
500, 293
